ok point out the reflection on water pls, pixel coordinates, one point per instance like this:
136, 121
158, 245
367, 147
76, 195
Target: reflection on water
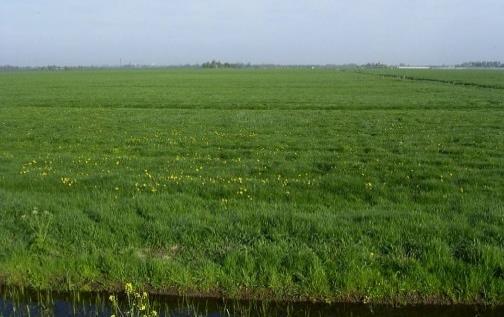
78, 304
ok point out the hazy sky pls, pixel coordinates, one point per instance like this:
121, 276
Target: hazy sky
97, 32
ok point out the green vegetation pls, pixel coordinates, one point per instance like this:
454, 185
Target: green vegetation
467, 77
295, 184
138, 304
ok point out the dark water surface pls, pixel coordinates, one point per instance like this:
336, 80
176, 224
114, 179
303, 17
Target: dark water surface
78, 304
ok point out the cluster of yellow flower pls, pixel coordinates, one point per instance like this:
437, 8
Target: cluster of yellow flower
138, 303
243, 133
146, 187
241, 191
44, 168
84, 161
67, 181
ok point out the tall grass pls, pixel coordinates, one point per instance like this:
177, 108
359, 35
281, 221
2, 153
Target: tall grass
284, 184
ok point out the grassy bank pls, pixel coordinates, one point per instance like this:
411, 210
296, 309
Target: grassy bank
278, 183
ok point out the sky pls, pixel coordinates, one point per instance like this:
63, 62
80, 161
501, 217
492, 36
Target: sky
175, 32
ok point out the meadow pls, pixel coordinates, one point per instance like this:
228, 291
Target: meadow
291, 184
485, 78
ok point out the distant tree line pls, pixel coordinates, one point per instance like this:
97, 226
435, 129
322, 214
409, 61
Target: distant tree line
209, 65
219, 64
375, 65
482, 64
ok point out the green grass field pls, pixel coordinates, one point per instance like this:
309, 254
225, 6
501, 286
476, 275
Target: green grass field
280, 184
487, 78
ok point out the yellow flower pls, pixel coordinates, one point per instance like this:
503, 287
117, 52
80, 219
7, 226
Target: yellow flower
129, 288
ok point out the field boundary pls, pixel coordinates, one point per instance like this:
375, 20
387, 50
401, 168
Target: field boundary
443, 81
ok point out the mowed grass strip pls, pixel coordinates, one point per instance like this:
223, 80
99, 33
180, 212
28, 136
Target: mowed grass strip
292, 184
